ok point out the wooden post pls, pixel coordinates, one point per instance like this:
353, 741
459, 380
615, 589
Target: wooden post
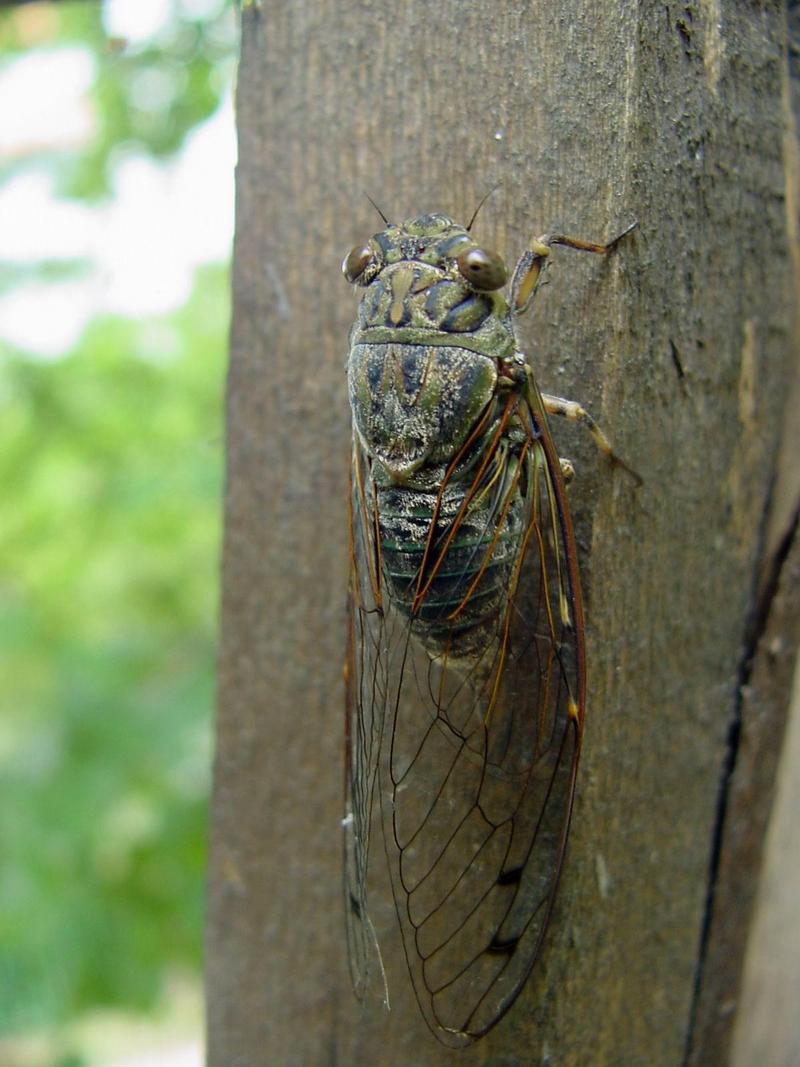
682, 345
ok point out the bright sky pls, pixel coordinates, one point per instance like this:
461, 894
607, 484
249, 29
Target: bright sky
146, 241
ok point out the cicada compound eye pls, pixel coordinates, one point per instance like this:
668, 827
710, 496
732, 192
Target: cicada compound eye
356, 262
482, 269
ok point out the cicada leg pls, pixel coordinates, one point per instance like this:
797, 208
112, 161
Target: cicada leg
528, 271
567, 469
527, 275
570, 409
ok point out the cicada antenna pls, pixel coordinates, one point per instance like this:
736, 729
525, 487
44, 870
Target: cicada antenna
377, 209
483, 200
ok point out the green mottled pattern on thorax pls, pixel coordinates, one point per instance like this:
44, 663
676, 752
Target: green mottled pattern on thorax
415, 404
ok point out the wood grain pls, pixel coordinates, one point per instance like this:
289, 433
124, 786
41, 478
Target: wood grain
680, 345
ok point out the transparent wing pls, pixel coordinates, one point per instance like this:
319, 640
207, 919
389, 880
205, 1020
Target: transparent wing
476, 768
366, 690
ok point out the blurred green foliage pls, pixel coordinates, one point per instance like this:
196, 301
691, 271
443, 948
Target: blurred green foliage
110, 466
110, 474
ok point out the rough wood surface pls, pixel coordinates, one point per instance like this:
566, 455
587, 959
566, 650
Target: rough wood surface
766, 1029
764, 708
681, 346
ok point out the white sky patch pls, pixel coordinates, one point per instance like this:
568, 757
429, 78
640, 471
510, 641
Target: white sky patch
142, 246
34, 225
165, 221
137, 21
47, 319
45, 101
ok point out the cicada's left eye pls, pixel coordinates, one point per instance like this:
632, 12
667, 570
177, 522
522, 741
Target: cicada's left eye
356, 262
483, 269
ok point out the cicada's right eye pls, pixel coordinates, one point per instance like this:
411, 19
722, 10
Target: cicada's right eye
356, 262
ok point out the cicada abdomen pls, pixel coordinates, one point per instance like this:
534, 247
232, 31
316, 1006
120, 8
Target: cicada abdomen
465, 666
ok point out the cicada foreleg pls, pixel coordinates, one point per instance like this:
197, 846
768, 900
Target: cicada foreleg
570, 409
527, 276
529, 270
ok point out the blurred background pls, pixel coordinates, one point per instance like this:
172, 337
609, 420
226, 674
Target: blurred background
117, 154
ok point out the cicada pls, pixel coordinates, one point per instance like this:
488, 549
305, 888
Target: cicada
465, 670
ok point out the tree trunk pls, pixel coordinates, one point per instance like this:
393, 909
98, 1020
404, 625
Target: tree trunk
682, 345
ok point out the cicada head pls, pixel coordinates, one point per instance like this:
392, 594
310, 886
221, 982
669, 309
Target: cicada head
426, 274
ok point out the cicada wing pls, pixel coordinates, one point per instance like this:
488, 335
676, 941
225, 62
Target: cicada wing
480, 757
366, 689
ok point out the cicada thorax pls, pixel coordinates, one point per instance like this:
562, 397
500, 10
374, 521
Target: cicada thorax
446, 447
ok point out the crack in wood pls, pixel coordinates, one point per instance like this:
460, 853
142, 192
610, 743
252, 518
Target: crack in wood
756, 629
